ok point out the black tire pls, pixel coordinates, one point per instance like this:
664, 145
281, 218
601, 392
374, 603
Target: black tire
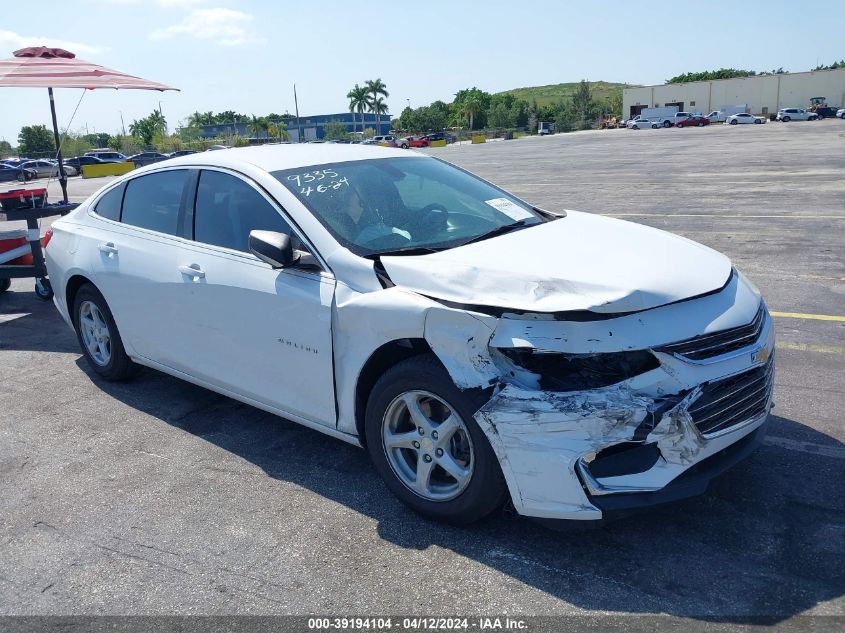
5, 284
734, 122
785, 119
758, 121
486, 490
700, 124
667, 124
43, 289
119, 367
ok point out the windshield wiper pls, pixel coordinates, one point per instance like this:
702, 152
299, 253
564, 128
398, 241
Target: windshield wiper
501, 230
409, 250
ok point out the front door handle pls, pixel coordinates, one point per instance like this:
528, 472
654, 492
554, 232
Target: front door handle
193, 270
108, 248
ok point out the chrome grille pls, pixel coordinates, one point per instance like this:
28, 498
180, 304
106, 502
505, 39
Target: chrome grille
718, 343
726, 403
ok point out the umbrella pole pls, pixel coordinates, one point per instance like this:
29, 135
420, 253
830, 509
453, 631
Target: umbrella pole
62, 175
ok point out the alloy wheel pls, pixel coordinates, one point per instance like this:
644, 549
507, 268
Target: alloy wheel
427, 445
95, 333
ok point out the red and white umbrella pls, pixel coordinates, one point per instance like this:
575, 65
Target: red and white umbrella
42, 67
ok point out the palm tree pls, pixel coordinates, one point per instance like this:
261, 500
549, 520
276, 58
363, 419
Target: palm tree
470, 108
378, 106
359, 101
377, 89
259, 124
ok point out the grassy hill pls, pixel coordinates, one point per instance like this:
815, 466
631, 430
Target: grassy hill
547, 95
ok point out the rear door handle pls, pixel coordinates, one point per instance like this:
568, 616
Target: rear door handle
193, 270
108, 248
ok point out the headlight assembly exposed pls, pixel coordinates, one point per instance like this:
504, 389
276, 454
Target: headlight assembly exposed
576, 372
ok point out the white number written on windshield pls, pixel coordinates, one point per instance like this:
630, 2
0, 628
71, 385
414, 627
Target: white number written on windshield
312, 176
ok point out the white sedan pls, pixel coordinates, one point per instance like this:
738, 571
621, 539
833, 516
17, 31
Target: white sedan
480, 348
744, 117
643, 124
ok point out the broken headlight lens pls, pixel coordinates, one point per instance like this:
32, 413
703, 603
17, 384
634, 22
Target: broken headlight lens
558, 371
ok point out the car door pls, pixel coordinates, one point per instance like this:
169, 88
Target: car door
133, 253
262, 333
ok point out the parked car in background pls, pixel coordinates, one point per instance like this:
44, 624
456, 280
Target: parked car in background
78, 161
744, 117
10, 173
181, 152
639, 123
386, 139
413, 141
795, 114
146, 158
824, 112
694, 120
441, 136
390, 300
107, 155
721, 115
214, 148
48, 168
841, 113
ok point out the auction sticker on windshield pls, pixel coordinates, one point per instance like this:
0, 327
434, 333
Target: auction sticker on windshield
510, 209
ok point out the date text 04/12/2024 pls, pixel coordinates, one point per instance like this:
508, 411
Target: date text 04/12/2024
418, 624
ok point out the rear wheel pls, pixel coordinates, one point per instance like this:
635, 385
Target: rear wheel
667, 124
98, 336
425, 444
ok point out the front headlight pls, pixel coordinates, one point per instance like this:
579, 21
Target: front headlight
558, 371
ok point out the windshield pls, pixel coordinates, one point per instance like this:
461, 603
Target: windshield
386, 205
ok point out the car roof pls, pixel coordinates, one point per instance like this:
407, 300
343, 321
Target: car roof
277, 157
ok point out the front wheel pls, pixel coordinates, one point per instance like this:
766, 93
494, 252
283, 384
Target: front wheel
98, 335
785, 119
427, 447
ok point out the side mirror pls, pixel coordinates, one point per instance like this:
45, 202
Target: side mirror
271, 247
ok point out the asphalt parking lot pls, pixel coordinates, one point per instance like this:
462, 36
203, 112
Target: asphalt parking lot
159, 497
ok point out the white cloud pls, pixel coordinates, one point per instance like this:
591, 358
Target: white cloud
226, 27
11, 41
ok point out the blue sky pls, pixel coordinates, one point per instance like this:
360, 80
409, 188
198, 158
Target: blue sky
245, 55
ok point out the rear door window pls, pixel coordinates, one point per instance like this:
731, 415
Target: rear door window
153, 201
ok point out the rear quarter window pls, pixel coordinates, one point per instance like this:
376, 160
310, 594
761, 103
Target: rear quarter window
109, 205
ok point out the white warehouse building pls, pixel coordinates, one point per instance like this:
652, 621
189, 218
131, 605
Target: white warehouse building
763, 94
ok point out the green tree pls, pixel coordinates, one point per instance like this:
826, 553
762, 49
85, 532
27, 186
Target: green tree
335, 131
259, 124
359, 101
708, 75
5, 149
377, 89
378, 106
35, 139
500, 116
150, 126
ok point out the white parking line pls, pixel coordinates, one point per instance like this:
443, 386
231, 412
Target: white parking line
836, 452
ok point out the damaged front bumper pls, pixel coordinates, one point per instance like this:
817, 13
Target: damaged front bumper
654, 438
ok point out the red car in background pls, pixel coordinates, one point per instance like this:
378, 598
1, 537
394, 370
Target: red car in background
697, 120
413, 141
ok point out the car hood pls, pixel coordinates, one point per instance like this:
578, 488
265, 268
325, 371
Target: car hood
580, 262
